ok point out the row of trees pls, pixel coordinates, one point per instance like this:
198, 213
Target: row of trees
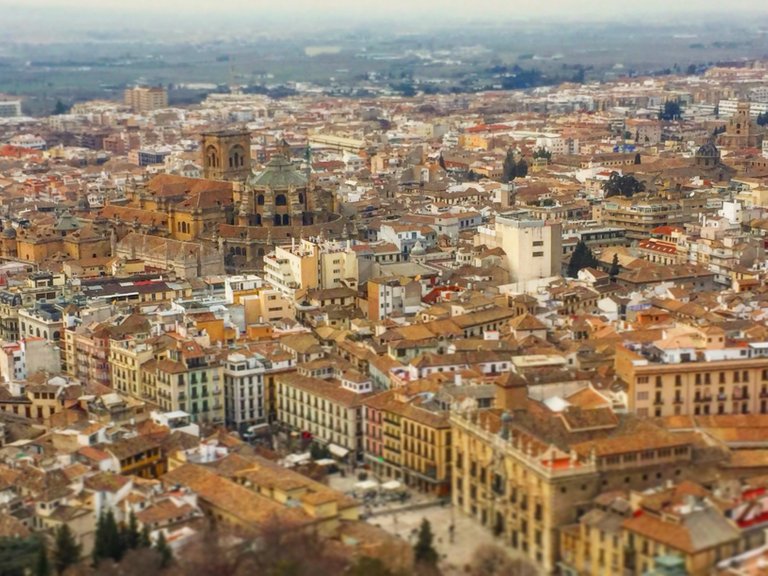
277, 550
113, 544
113, 541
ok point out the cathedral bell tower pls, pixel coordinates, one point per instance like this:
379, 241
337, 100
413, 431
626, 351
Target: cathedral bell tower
226, 155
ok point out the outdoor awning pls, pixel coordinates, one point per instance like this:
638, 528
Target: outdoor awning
391, 485
367, 485
337, 450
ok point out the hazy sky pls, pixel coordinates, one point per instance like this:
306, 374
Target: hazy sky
368, 8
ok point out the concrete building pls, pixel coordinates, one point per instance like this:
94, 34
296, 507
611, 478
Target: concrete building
532, 247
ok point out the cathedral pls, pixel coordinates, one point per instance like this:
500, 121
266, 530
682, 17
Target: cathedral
238, 213
272, 206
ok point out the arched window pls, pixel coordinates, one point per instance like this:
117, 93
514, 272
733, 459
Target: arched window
280, 200
257, 219
260, 199
286, 220
301, 198
278, 220
213, 156
236, 157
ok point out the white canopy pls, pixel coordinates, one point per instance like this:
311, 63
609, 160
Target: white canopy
338, 451
391, 485
367, 485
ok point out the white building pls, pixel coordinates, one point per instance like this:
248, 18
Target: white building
19, 360
244, 402
10, 108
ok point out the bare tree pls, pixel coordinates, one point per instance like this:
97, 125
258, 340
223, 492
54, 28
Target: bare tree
492, 560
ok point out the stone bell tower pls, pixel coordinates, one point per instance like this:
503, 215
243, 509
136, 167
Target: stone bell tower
226, 154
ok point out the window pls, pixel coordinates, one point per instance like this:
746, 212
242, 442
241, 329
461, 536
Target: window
538, 243
538, 254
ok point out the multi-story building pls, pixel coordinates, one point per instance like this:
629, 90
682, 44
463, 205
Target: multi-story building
19, 360
244, 394
532, 247
695, 371
42, 321
10, 108
292, 268
126, 357
188, 378
330, 409
640, 216
406, 236
407, 441
526, 472
143, 99
10, 302
392, 295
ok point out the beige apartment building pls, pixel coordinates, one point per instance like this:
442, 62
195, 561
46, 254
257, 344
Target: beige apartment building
142, 99
666, 381
640, 216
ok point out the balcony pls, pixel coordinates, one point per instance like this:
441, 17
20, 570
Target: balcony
678, 400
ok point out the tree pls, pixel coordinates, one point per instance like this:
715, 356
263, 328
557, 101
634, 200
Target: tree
492, 560
367, 566
166, 554
130, 533
582, 257
762, 119
542, 153
671, 111
509, 167
17, 555
108, 540
622, 185
424, 551
615, 268
319, 452
522, 168
60, 108
66, 552
42, 567
144, 539
441, 161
